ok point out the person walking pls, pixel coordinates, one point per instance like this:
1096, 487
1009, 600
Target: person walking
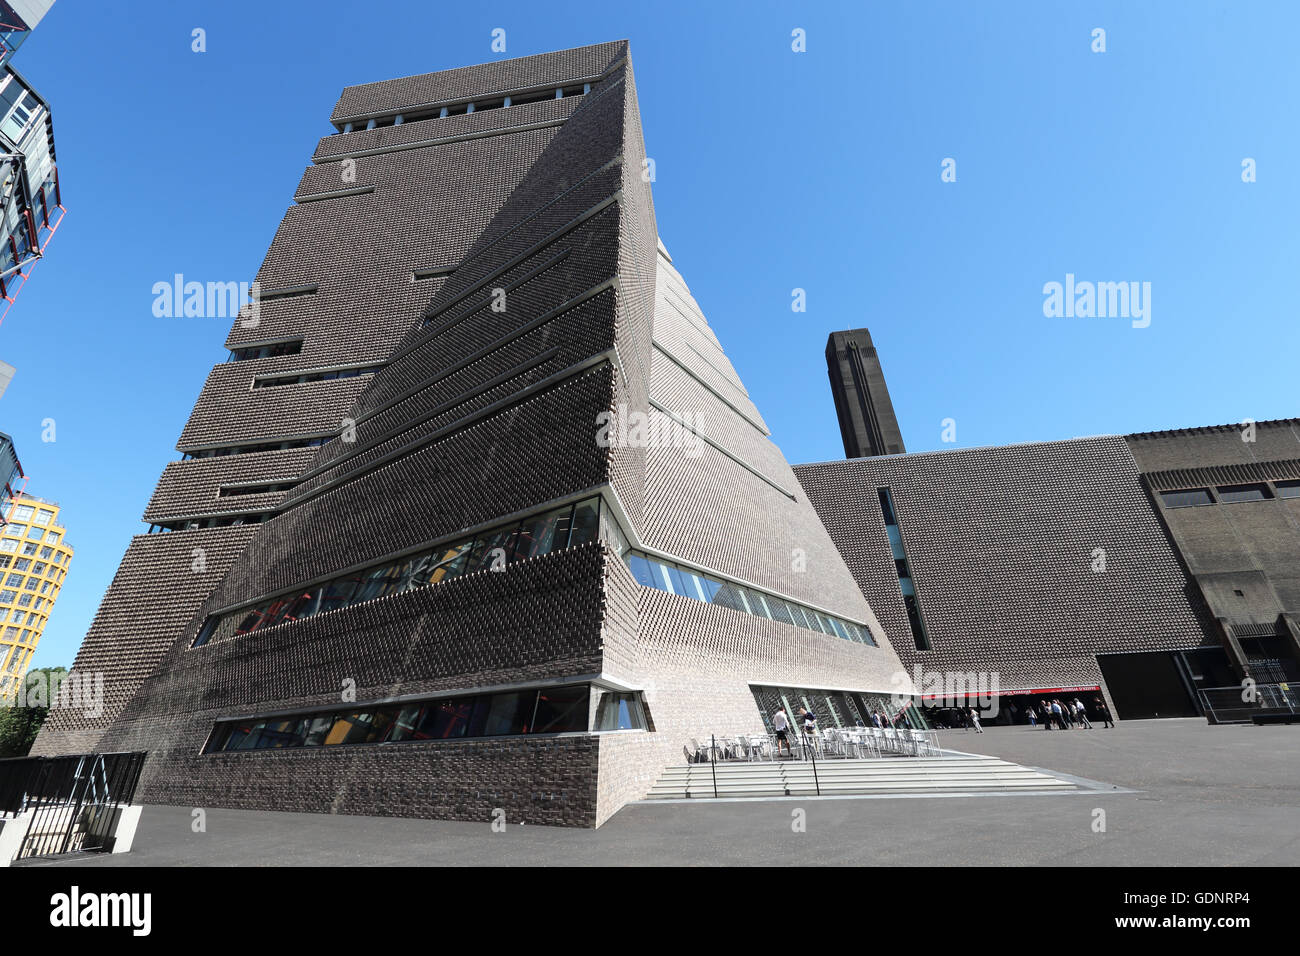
781, 724
1103, 712
1082, 713
809, 722
975, 720
1032, 715
1058, 717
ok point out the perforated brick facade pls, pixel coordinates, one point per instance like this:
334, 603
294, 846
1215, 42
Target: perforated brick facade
503, 269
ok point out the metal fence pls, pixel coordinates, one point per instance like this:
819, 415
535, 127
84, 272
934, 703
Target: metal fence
1225, 705
75, 801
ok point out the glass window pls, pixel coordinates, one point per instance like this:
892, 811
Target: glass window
318, 729
732, 596
52, 537
677, 582
620, 712
757, 604
1189, 498
1255, 492
491, 550
779, 610
642, 570
444, 719
23, 513
510, 713
561, 710
586, 518
537, 535
339, 592
29, 548
14, 580
1287, 489
9, 545
206, 631
377, 582
35, 533
284, 732
408, 719
360, 727
44, 517
7, 597
448, 561
46, 552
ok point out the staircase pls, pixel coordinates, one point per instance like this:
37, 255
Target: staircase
963, 773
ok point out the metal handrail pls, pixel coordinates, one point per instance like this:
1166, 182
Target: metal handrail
839, 743
1229, 705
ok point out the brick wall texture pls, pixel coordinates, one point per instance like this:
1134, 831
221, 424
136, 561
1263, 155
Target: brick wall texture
553, 302
1001, 545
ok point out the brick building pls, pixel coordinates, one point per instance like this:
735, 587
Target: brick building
467, 520
1144, 568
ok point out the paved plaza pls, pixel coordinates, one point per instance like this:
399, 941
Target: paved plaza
1186, 793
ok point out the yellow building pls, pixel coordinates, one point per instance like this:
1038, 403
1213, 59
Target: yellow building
34, 558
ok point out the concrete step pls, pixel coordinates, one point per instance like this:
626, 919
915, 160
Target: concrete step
915, 775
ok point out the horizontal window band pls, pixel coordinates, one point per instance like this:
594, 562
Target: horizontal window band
540, 533
439, 272
295, 442
492, 94
305, 198
601, 681
637, 543
563, 709
306, 376
671, 578
470, 531
434, 141
286, 292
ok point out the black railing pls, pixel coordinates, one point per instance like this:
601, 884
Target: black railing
74, 801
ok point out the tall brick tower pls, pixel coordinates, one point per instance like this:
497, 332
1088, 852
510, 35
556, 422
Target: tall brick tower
479, 485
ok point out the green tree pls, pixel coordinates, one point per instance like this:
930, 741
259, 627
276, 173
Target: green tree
22, 716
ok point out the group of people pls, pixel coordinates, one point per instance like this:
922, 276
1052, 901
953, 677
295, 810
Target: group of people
1069, 714
781, 724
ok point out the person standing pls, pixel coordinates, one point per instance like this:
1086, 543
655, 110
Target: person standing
1103, 712
781, 724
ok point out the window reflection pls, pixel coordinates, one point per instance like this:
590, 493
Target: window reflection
550, 710
533, 537
652, 572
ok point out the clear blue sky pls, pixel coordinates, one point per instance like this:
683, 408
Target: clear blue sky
775, 170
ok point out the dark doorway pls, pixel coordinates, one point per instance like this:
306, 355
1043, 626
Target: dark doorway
1146, 685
